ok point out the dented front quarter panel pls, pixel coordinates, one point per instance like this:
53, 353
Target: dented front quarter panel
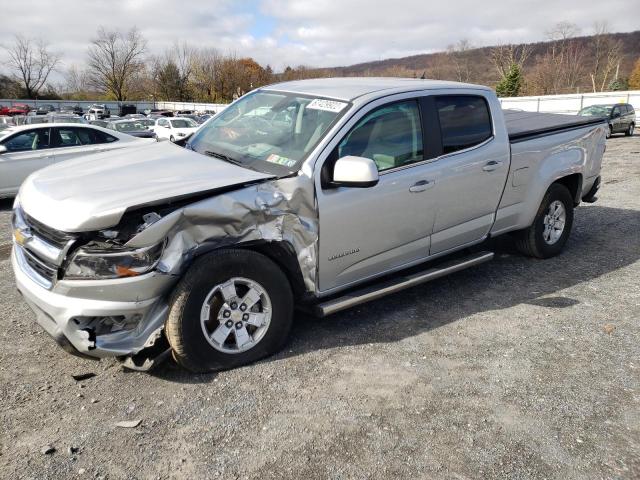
281, 210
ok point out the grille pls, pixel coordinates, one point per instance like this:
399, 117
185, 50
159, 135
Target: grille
42, 250
45, 270
50, 235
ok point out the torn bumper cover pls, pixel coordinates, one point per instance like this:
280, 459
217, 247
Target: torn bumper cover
123, 316
90, 327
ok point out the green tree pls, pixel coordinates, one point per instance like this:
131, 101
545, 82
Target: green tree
618, 84
511, 84
634, 78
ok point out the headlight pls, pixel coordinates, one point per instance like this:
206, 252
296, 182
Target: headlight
102, 264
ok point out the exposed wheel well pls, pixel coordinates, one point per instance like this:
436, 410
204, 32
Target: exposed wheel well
574, 185
283, 254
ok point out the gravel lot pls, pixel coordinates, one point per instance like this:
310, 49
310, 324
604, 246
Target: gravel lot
519, 368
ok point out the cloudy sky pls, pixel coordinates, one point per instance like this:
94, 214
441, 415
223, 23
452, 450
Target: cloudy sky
309, 32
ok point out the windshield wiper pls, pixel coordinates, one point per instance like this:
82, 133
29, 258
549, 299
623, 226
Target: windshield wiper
226, 158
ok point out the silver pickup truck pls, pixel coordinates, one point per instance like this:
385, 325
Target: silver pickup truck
317, 194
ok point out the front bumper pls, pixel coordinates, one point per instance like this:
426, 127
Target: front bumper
75, 318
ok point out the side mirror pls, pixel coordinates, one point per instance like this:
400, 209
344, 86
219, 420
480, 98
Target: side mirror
3, 149
351, 171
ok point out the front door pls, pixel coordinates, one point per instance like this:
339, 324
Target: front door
367, 231
26, 152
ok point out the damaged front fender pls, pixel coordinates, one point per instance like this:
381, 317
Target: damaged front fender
274, 211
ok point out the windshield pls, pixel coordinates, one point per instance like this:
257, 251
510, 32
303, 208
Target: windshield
596, 111
268, 131
183, 123
129, 126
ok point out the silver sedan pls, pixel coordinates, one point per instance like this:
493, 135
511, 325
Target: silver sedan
28, 148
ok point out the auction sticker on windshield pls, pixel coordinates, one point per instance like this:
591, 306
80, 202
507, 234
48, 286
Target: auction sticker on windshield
287, 162
326, 105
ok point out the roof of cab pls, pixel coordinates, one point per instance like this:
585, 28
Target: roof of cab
350, 88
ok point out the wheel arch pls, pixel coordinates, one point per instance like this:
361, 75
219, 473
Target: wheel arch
281, 253
573, 183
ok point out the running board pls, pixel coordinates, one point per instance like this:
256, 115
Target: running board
392, 286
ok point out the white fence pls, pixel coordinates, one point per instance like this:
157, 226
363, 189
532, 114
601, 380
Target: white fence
570, 103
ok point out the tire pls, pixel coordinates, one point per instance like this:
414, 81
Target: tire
629, 131
537, 241
610, 131
249, 270
171, 139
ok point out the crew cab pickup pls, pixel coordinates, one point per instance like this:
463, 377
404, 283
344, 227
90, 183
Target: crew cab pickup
317, 194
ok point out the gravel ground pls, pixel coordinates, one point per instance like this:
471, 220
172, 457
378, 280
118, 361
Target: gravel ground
518, 368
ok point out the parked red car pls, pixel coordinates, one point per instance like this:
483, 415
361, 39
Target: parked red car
4, 110
18, 109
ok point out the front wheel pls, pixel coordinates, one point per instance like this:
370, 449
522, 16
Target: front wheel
609, 131
172, 139
551, 227
231, 308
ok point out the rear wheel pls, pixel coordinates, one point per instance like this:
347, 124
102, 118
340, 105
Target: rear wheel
232, 307
551, 227
629, 131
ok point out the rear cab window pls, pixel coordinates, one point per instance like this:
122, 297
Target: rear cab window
465, 121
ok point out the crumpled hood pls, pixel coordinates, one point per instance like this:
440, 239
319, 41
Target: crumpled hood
92, 193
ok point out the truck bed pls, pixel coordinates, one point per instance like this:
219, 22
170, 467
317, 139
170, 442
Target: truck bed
525, 125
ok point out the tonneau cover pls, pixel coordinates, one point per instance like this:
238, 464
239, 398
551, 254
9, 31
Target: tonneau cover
522, 125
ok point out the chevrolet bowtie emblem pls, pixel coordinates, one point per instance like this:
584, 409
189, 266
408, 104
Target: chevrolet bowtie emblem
21, 236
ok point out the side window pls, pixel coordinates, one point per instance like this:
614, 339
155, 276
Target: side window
615, 112
464, 121
101, 137
390, 135
85, 136
67, 137
33, 140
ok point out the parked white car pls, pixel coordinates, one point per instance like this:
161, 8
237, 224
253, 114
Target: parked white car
28, 148
174, 129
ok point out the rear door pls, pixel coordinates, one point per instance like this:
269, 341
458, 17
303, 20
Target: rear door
472, 171
617, 122
72, 142
627, 116
26, 152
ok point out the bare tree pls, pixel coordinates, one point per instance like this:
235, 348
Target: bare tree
206, 64
75, 82
504, 56
172, 73
114, 61
32, 62
567, 56
607, 54
460, 56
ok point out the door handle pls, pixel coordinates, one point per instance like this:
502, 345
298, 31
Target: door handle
491, 166
421, 186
